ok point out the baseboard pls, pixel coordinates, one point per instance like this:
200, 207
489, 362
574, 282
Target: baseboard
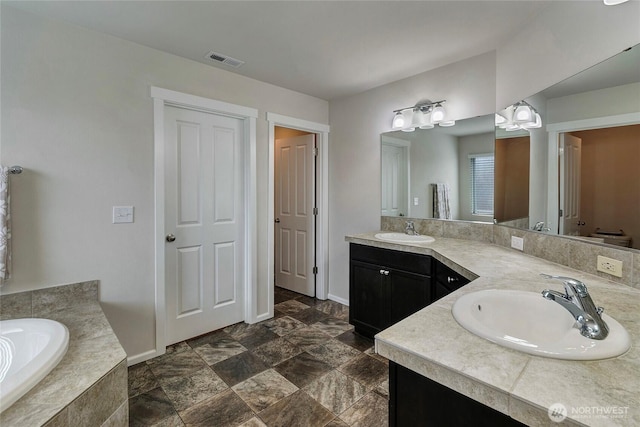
138, 358
338, 299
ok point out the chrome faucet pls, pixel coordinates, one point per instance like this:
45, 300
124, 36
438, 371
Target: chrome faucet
578, 302
540, 227
410, 228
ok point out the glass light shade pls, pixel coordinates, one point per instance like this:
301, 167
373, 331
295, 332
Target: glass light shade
448, 123
523, 114
437, 114
534, 124
500, 119
512, 127
419, 119
614, 2
408, 129
538, 122
427, 126
399, 121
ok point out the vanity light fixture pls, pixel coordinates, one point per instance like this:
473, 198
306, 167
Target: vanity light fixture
424, 115
614, 2
519, 116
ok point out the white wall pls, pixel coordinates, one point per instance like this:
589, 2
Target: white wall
562, 40
354, 152
434, 159
467, 145
77, 115
597, 103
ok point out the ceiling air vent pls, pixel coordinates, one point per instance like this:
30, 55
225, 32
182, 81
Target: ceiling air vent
224, 59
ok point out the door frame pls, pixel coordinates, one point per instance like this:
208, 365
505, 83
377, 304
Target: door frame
406, 146
554, 130
161, 99
322, 197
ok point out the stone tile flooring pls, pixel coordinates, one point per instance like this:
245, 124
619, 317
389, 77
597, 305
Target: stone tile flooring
305, 367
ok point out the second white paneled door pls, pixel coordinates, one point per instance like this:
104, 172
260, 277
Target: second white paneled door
294, 203
205, 222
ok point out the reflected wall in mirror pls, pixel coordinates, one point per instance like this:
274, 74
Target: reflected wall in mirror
511, 206
440, 172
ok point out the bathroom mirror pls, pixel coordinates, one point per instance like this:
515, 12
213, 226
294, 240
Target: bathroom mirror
599, 99
441, 172
584, 160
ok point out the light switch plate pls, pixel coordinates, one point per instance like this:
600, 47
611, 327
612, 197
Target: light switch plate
122, 214
416, 201
517, 243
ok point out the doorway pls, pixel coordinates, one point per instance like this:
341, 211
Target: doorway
321, 132
295, 206
245, 120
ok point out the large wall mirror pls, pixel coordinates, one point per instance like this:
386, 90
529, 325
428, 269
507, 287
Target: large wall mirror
444, 172
577, 175
584, 165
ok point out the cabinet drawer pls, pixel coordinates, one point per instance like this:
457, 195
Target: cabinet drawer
414, 263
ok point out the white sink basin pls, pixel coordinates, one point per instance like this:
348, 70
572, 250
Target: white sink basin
527, 322
403, 238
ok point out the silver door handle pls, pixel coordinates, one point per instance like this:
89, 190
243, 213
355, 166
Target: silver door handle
170, 238
277, 220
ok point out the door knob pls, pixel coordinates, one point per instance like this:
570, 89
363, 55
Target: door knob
277, 220
170, 238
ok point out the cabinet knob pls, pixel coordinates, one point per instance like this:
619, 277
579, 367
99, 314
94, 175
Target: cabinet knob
452, 279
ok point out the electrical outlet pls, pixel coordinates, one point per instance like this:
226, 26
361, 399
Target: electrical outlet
610, 266
517, 243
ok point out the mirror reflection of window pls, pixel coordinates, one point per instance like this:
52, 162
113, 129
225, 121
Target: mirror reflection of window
481, 172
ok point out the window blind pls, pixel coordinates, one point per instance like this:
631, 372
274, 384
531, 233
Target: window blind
482, 166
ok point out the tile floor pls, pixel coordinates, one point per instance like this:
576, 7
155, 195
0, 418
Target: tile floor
305, 367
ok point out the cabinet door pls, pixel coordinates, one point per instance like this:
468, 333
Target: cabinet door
367, 298
410, 292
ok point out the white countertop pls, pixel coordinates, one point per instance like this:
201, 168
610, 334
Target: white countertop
431, 343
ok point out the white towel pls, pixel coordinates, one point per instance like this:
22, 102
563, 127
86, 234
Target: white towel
441, 207
5, 225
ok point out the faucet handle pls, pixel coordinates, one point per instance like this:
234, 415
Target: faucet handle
570, 284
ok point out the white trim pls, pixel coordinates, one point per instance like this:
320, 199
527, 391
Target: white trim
322, 196
141, 357
554, 130
338, 299
180, 99
161, 98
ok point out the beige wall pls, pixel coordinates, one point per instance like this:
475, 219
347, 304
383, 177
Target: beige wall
77, 115
610, 183
281, 132
511, 179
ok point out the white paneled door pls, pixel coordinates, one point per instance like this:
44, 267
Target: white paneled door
570, 175
294, 203
394, 180
204, 217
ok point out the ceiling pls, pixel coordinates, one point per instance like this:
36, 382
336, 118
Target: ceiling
327, 49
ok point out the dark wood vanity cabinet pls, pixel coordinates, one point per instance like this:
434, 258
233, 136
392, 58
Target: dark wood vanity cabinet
446, 281
415, 400
386, 286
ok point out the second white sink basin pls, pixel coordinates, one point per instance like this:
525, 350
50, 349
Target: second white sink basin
527, 322
404, 238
